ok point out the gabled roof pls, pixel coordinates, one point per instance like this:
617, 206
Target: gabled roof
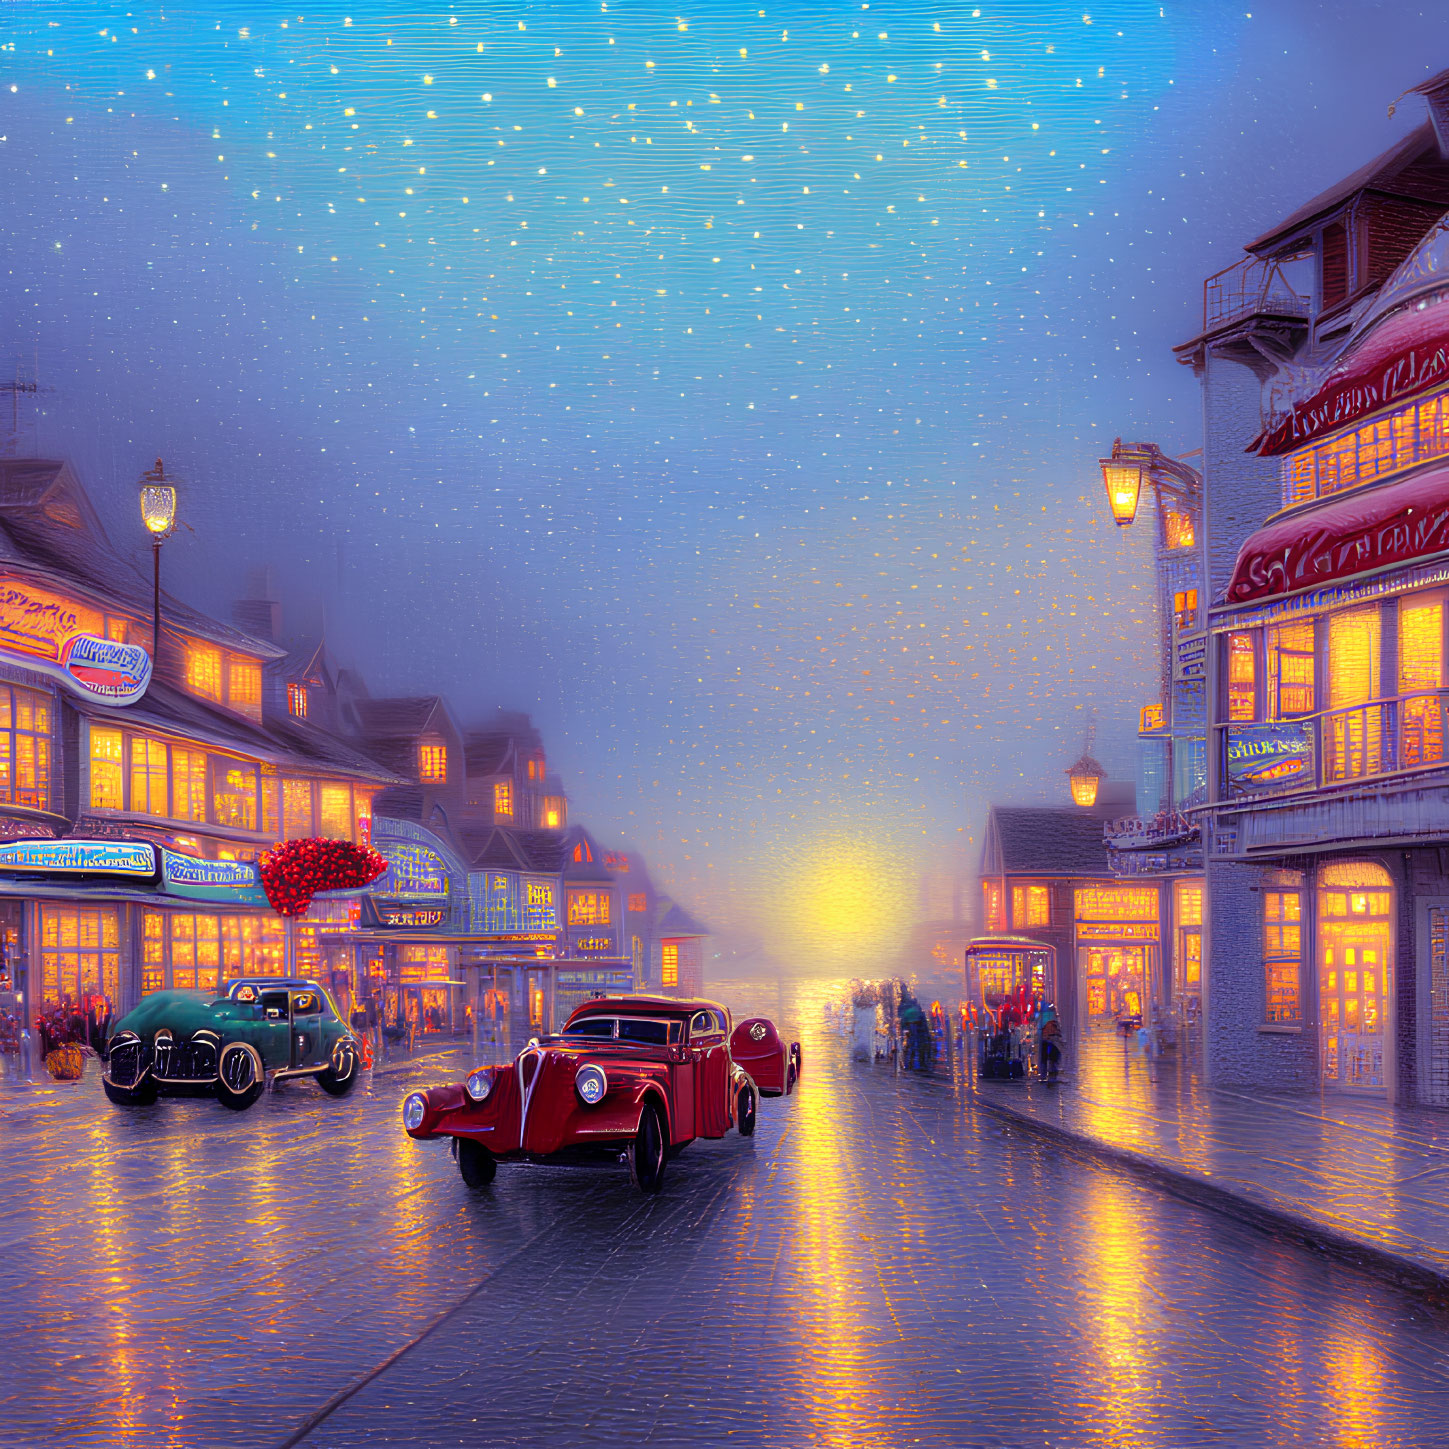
487, 748
49, 531
1412, 168
286, 742
1044, 840
306, 661
403, 718
493, 847
674, 920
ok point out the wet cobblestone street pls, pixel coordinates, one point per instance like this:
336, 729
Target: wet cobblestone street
884, 1265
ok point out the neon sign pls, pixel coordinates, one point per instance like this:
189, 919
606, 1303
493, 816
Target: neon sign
135, 859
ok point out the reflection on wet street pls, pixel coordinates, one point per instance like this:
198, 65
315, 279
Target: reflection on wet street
883, 1266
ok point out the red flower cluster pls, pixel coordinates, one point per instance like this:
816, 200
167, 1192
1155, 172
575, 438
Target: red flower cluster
295, 871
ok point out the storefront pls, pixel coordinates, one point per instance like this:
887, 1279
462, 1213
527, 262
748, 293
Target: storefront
1118, 943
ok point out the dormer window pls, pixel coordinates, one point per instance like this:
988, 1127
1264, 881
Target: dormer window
432, 762
535, 768
297, 700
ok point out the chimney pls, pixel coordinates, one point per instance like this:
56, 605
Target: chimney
261, 618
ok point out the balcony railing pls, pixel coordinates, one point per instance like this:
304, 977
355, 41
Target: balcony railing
1247, 288
1369, 741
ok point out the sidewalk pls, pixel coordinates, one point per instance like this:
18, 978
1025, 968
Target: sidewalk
1357, 1177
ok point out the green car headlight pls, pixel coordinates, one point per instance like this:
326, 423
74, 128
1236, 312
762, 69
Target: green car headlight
591, 1084
413, 1111
479, 1085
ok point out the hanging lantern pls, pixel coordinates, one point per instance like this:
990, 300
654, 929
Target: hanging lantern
158, 503
1084, 777
1123, 479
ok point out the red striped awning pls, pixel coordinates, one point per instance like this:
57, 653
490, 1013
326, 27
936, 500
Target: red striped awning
1367, 529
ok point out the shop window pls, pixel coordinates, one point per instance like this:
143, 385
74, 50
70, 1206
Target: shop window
433, 763
148, 776
234, 794
503, 799
25, 751
271, 793
198, 951
244, 686
1421, 675
188, 784
297, 700
80, 955
638, 902
1283, 956
1184, 611
1242, 702
1030, 906
107, 778
1290, 670
336, 811
297, 820
669, 964
420, 963
203, 671
993, 898
1189, 902
588, 908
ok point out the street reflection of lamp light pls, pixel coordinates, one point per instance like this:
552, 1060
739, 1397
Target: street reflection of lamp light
1133, 464
158, 513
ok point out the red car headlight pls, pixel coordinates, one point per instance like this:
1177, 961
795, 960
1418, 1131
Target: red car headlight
591, 1084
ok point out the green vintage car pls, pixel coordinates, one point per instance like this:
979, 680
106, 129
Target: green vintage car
260, 1029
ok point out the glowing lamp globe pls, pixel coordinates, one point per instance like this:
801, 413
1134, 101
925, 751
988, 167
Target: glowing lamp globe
1084, 777
1123, 481
158, 503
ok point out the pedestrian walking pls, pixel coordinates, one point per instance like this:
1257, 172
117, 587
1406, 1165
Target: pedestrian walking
1050, 1039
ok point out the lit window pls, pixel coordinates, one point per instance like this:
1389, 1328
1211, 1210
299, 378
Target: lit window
1184, 610
588, 908
297, 823
188, 784
1030, 906
669, 964
433, 763
106, 769
148, 776
203, 671
638, 902
1241, 693
994, 899
244, 685
234, 794
336, 811
1421, 673
1178, 529
1290, 670
1283, 956
503, 799
297, 700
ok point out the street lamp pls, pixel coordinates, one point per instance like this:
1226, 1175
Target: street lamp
1133, 464
1084, 777
158, 513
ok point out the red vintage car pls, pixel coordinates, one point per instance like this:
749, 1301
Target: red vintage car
773, 1067
632, 1076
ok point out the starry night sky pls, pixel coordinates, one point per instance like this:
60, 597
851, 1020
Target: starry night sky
724, 385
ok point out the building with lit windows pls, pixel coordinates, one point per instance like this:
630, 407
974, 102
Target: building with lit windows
137, 793
1325, 355
1057, 918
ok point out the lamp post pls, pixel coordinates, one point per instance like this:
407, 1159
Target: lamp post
1133, 464
158, 513
1084, 777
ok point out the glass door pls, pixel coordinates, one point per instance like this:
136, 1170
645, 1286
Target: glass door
1355, 943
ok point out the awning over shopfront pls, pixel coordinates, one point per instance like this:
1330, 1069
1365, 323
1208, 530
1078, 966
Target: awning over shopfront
1368, 529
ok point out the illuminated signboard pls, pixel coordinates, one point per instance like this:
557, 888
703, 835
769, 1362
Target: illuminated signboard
235, 881
1116, 903
1266, 758
624, 979
413, 870
409, 916
63, 639
595, 945
134, 859
540, 905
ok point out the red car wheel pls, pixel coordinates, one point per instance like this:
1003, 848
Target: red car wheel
647, 1152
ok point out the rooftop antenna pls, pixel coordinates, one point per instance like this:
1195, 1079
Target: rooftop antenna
22, 384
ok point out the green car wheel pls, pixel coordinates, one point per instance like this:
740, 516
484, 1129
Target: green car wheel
339, 1078
240, 1077
141, 1095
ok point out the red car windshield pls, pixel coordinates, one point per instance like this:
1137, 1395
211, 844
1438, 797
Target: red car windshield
648, 1031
